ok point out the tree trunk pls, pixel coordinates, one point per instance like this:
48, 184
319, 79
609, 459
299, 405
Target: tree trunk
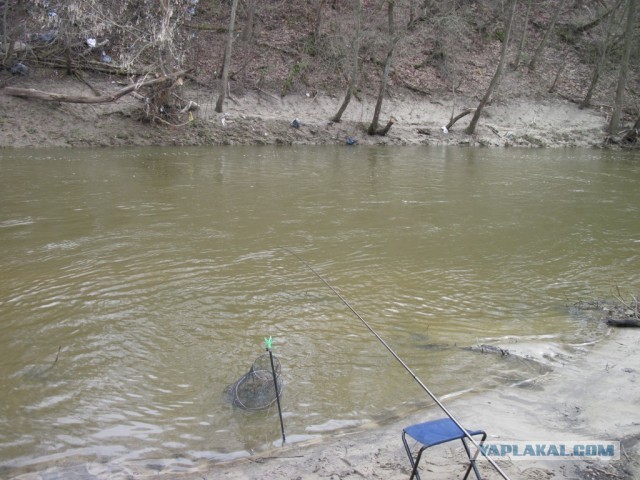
317, 20
523, 39
373, 128
552, 88
614, 125
631, 137
496, 77
227, 59
6, 38
354, 67
247, 32
453, 120
547, 35
602, 59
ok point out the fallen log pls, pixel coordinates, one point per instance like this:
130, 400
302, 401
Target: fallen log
464, 113
624, 322
104, 98
383, 131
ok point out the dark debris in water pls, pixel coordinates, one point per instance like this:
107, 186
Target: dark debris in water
491, 349
616, 312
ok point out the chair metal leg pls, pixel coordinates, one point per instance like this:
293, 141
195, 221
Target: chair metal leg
472, 461
415, 473
414, 463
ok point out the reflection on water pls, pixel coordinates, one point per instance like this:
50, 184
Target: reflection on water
158, 272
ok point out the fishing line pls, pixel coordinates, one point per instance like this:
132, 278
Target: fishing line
404, 365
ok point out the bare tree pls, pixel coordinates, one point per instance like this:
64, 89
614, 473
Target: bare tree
227, 59
523, 38
604, 49
7, 37
546, 37
249, 27
496, 77
355, 62
614, 124
452, 44
393, 40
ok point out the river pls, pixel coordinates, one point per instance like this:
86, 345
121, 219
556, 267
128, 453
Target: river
137, 284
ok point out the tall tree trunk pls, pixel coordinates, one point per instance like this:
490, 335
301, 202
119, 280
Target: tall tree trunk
6, 38
496, 76
602, 59
354, 67
552, 88
227, 59
248, 31
523, 38
373, 128
546, 37
614, 125
317, 20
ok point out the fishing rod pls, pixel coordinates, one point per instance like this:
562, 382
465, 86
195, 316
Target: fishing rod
406, 367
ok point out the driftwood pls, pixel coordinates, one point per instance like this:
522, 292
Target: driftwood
464, 113
624, 322
631, 137
488, 349
621, 313
387, 127
103, 98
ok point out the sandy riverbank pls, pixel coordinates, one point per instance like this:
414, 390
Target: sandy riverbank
261, 118
592, 393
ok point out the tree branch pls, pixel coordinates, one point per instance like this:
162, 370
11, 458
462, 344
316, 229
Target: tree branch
105, 98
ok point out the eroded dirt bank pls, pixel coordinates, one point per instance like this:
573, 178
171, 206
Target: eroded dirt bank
260, 117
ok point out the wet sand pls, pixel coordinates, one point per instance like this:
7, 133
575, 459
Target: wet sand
590, 394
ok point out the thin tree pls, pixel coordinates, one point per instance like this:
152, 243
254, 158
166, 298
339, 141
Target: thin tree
249, 27
393, 40
552, 88
353, 80
227, 59
614, 125
523, 38
496, 76
7, 40
604, 49
546, 37
317, 20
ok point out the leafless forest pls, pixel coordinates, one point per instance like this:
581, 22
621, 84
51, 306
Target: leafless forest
584, 50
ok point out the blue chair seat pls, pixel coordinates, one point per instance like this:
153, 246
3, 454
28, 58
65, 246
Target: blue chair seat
436, 432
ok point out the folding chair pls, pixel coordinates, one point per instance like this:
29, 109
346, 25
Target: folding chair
434, 433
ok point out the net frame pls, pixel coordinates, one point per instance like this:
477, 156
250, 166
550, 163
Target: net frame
256, 389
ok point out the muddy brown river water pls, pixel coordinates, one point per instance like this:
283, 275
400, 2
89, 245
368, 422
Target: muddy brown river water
156, 274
